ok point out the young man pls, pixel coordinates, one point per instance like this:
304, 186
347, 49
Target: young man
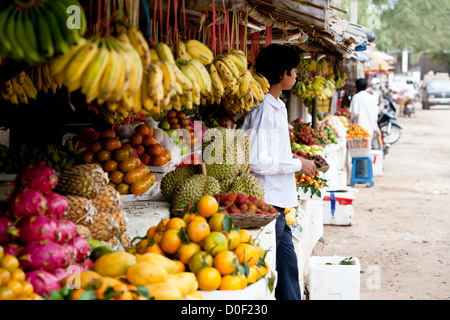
272, 159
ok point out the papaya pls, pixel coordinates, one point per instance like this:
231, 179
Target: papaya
144, 273
167, 263
163, 291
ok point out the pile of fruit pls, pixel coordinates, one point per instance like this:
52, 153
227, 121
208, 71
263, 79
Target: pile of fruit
240, 203
303, 133
94, 204
357, 131
37, 232
337, 126
126, 164
312, 184
35, 31
205, 244
13, 283
325, 134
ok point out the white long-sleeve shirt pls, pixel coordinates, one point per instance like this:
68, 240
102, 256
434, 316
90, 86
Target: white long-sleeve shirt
364, 111
271, 153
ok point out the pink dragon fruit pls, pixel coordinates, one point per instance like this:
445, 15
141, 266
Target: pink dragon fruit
7, 230
88, 264
67, 229
46, 255
56, 204
39, 228
40, 178
11, 248
62, 273
72, 252
29, 203
82, 247
43, 282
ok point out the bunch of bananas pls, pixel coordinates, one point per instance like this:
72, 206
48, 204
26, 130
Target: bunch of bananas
303, 88
308, 65
319, 86
43, 80
340, 79
18, 89
105, 69
35, 31
322, 66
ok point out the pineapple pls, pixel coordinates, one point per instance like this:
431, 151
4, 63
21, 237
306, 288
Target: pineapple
121, 219
103, 226
108, 200
80, 210
84, 180
83, 231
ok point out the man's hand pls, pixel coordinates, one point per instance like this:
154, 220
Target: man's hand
308, 167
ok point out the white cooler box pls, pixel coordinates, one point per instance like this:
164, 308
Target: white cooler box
377, 162
338, 208
328, 280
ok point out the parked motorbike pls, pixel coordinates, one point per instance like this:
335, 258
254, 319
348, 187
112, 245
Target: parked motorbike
390, 128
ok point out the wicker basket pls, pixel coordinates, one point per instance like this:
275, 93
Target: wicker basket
252, 220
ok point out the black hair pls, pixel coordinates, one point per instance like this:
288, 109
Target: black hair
273, 60
361, 84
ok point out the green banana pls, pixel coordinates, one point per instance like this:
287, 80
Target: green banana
60, 12
46, 47
25, 35
59, 42
6, 43
16, 51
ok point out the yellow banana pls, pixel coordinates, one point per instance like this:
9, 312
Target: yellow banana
199, 51
137, 69
164, 52
239, 62
224, 72
204, 73
122, 79
169, 79
182, 51
139, 43
265, 85
93, 74
230, 65
74, 71
137, 100
147, 103
9, 87
216, 80
244, 84
22, 96
14, 99
258, 90
29, 88
155, 84
46, 76
59, 63
15, 83
110, 76
182, 79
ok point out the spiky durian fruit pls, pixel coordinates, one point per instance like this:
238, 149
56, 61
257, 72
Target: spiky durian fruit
249, 185
192, 189
173, 178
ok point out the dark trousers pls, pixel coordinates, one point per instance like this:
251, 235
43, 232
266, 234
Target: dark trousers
288, 287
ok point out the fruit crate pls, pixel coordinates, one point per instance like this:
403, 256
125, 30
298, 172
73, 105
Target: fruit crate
359, 147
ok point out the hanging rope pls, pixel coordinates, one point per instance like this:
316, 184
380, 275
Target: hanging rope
168, 23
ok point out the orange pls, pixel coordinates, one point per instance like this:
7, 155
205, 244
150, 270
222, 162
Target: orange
151, 231
141, 246
116, 177
199, 261
208, 279
103, 155
226, 262
161, 226
110, 165
243, 279
216, 222
87, 157
246, 252
180, 267
188, 217
27, 288
187, 250
136, 139
112, 144
155, 248
121, 154
170, 241
230, 282
10, 263
155, 149
140, 149
5, 276
245, 236
15, 286
126, 295
100, 293
148, 141
233, 239
76, 294
259, 250
142, 129
6, 293
253, 275
107, 133
175, 223
214, 243
197, 229
263, 271
157, 237
207, 206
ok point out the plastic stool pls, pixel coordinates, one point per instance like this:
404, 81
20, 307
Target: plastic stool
356, 179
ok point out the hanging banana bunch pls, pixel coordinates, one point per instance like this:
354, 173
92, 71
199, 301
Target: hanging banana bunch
19, 89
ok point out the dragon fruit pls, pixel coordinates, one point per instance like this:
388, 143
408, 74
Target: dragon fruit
62, 273
11, 248
7, 230
56, 204
67, 230
72, 252
29, 203
39, 228
46, 255
40, 178
82, 247
43, 282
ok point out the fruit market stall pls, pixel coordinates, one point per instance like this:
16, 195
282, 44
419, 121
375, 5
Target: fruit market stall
112, 179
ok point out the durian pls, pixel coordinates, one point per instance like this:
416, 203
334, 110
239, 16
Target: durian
173, 178
192, 189
249, 185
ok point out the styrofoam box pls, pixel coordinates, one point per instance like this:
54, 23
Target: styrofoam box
377, 162
338, 208
333, 282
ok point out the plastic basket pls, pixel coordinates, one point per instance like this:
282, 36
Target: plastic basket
357, 143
